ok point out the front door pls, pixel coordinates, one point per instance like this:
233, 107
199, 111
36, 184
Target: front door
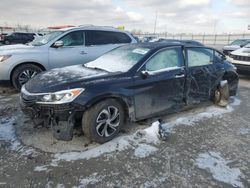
71, 53
162, 88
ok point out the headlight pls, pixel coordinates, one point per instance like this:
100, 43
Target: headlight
60, 97
4, 57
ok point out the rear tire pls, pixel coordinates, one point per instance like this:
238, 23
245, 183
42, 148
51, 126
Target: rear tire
221, 95
103, 121
24, 73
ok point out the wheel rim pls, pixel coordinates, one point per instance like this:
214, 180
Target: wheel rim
26, 75
108, 121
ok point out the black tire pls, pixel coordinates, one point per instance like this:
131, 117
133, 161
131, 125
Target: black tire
97, 113
18, 74
7, 42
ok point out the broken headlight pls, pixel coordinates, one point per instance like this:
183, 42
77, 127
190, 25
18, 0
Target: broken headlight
60, 97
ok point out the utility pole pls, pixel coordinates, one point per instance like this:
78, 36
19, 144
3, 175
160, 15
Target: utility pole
155, 22
215, 25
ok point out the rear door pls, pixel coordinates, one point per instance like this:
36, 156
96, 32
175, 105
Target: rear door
163, 88
100, 42
71, 53
203, 74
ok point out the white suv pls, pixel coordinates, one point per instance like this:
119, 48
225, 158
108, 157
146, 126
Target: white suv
64, 47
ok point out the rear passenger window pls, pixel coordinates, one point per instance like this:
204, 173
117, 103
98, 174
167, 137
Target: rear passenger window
106, 37
121, 38
200, 56
168, 58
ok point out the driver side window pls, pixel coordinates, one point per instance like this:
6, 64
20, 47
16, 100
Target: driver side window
168, 58
75, 38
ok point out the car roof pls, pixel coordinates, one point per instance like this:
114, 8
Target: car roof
92, 27
156, 45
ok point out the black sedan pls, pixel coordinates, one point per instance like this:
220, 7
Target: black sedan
133, 82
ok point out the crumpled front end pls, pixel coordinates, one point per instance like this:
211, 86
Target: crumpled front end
60, 118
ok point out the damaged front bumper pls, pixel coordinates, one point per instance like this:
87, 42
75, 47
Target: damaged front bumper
60, 118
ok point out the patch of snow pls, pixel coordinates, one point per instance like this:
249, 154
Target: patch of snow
7, 134
92, 179
142, 140
211, 111
144, 150
71, 72
217, 165
236, 101
118, 144
148, 135
59, 185
244, 131
156, 182
41, 168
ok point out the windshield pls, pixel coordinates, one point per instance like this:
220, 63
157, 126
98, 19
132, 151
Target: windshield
120, 59
247, 46
39, 41
238, 42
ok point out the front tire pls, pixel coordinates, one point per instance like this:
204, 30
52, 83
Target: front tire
103, 121
24, 73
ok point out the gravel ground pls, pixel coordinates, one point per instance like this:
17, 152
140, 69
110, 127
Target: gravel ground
207, 146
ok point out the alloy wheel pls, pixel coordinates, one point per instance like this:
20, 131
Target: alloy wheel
26, 75
107, 121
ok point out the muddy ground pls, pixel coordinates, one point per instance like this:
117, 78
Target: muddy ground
207, 146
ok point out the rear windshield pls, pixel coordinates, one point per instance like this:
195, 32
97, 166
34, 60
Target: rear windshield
238, 42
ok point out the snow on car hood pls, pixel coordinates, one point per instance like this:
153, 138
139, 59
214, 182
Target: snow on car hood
64, 75
242, 51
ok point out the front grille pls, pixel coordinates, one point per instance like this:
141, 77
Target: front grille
241, 58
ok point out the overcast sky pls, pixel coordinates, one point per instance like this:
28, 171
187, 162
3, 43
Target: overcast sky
174, 16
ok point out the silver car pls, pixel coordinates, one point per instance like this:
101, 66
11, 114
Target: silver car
65, 47
235, 45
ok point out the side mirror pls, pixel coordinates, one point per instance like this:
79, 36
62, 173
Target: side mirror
58, 44
144, 74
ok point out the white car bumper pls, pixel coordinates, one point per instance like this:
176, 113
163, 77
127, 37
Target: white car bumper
241, 65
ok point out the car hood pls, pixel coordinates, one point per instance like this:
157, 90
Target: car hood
63, 78
242, 52
16, 49
231, 47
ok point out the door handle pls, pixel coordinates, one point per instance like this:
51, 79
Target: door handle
83, 53
179, 75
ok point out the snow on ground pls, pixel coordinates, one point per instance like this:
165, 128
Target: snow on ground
7, 134
192, 118
142, 140
144, 150
92, 179
218, 167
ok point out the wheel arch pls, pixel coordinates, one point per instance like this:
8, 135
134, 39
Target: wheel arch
123, 100
25, 63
